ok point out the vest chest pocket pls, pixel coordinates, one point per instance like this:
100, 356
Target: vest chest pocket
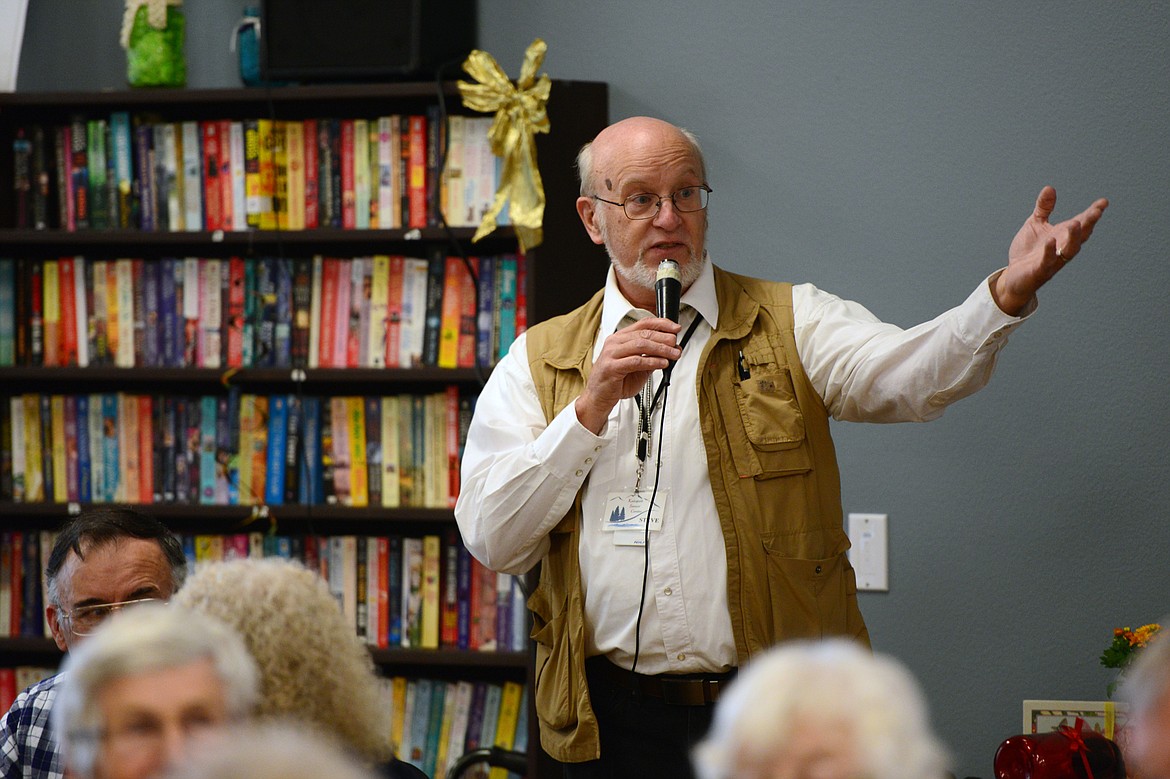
772, 422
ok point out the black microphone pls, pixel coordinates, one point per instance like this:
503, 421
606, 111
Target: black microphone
668, 290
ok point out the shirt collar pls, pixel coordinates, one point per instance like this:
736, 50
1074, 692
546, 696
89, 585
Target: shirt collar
700, 296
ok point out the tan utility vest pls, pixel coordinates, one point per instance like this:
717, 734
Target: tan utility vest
777, 491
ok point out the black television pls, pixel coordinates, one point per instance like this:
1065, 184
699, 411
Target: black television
363, 40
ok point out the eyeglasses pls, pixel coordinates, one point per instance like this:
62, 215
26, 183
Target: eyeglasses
645, 205
84, 620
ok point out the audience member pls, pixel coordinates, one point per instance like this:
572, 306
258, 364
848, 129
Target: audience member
1147, 691
106, 558
151, 681
272, 751
313, 667
821, 710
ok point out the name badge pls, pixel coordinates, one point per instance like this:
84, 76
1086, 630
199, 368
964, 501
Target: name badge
626, 515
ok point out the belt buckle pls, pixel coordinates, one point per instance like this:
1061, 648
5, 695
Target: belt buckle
689, 692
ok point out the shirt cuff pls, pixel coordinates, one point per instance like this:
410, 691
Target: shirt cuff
567, 448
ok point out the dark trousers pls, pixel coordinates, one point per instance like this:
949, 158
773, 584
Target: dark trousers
641, 736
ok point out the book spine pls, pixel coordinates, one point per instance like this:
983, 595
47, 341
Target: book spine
193, 176
210, 172
361, 174
449, 317
223, 155
276, 451
267, 136
373, 436
348, 194
206, 436
417, 180
280, 173
239, 178
355, 414
312, 172
433, 312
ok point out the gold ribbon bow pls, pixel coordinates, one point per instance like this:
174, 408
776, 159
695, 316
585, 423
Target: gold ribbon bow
520, 114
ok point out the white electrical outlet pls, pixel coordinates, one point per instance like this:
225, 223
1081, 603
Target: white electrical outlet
869, 555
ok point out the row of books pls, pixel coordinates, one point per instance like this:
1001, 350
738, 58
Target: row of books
236, 448
328, 312
396, 590
435, 722
133, 172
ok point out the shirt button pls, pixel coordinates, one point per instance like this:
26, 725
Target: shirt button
667, 591
588, 460
597, 448
579, 471
682, 656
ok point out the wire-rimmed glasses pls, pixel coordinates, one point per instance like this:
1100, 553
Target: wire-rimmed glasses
84, 620
645, 205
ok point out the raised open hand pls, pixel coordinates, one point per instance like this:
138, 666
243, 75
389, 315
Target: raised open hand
1040, 249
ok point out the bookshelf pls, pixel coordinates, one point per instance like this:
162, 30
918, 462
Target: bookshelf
558, 275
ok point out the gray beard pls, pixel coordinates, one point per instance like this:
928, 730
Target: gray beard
644, 276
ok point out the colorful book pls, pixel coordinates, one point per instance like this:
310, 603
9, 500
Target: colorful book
431, 599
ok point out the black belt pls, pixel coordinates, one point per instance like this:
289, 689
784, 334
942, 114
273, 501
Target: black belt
672, 689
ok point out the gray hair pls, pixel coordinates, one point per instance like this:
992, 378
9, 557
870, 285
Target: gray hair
145, 638
586, 174
272, 751
833, 681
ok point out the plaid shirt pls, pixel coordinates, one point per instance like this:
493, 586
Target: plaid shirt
27, 747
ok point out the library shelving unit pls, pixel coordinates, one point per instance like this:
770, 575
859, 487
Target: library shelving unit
560, 274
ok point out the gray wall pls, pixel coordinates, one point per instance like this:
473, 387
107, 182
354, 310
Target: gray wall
888, 152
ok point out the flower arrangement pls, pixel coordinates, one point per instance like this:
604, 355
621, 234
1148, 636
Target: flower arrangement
1126, 646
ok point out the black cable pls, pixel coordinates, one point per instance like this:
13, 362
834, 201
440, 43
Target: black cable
665, 387
441, 218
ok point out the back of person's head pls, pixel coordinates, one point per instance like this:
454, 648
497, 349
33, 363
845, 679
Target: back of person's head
830, 710
1146, 690
138, 641
313, 667
103, 525
272, 750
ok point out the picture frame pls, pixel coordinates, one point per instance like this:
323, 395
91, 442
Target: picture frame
1105, 717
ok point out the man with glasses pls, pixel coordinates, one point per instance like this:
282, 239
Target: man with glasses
103, 560
684, 526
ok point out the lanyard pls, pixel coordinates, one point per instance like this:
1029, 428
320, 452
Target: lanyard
647, 403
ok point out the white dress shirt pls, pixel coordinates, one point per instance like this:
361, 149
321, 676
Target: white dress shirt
520, 476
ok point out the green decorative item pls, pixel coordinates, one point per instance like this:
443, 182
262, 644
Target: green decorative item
153, 35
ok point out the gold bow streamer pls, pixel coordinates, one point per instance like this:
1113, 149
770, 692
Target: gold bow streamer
520, 114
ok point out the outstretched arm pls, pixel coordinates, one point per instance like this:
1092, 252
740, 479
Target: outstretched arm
1040, 249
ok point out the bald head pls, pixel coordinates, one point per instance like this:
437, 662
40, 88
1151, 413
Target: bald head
637, 139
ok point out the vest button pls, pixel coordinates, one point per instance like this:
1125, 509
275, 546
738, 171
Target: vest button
819, 569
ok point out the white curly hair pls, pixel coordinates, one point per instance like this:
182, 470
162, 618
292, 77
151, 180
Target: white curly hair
313, 667
870, 703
